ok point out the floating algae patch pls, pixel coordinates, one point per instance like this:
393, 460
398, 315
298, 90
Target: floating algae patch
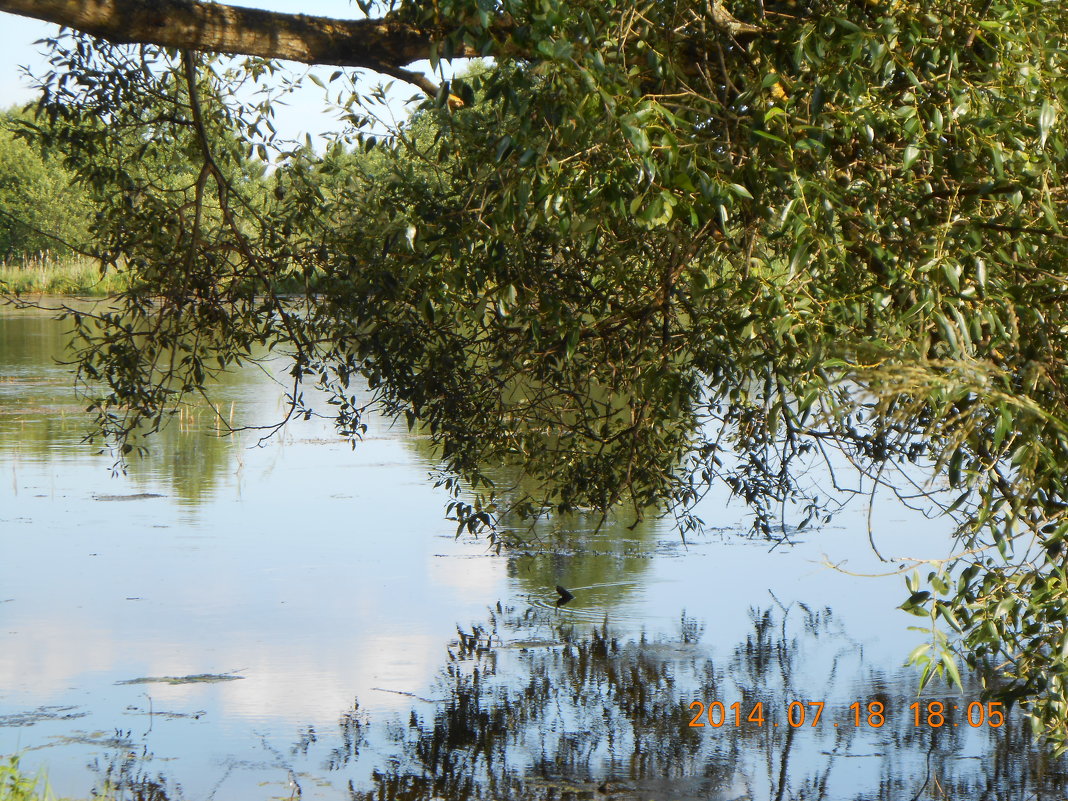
41, 714
116, 739
140, 496
198, 678
132, 710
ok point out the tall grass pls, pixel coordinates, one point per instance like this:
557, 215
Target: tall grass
48, 275
17, 786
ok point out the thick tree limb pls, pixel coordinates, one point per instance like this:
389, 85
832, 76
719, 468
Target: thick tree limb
384, 45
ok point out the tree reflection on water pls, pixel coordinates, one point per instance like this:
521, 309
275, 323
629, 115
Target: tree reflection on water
531, 706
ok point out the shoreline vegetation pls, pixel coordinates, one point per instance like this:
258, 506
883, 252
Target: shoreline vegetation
79, 276
16, 785
59, 275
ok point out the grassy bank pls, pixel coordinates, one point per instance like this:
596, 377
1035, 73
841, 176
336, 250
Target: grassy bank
48, 276
81, 276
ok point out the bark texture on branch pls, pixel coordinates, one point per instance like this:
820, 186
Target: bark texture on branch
384, 45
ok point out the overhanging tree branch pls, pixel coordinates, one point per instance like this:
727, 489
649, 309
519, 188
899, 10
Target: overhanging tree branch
385, 45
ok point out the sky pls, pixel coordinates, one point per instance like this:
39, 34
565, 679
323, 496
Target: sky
305, 111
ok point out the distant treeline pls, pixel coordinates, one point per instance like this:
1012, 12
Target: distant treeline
42, 211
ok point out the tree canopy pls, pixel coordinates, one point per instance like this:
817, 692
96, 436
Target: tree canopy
648, 248
39, 208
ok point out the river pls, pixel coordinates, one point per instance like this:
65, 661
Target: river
236, 619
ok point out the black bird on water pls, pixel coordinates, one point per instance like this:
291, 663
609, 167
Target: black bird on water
565, 596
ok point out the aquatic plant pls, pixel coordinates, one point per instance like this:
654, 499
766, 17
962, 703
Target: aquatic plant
15, 785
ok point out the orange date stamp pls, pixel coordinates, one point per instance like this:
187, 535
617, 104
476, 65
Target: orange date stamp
874, 714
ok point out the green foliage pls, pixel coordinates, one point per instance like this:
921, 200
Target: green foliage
17, 786
40, 211
645, 257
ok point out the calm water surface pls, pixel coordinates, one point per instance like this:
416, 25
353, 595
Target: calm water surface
236, 620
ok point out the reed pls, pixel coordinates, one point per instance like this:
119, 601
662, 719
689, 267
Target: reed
17, 786
48, 275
